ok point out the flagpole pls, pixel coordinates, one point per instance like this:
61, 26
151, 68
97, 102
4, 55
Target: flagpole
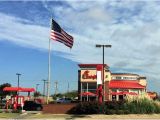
69, 43
49, 70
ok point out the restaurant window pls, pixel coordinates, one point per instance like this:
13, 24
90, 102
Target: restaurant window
123, 90
84, 87
118, 78
125, 78
92, 87
114, 90
120, 97
134, 90
113, 97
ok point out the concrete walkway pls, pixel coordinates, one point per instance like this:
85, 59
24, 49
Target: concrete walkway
90, 117
27, 114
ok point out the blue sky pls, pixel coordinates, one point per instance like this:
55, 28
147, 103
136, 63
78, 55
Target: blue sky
131, 27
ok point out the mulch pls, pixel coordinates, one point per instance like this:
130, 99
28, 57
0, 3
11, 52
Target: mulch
58, 108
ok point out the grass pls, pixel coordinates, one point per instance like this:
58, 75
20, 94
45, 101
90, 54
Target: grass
9, 115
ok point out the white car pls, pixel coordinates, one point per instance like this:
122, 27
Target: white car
64, 100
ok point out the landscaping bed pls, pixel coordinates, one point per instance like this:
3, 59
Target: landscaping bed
58, 108
141, 106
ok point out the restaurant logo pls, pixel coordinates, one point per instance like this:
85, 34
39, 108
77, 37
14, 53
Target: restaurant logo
87, 76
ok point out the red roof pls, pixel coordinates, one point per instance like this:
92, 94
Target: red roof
20, 89
125, 84
91, 65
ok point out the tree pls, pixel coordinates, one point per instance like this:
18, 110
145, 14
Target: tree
156, 95
71, 94
59, 95
37, 94
4, 93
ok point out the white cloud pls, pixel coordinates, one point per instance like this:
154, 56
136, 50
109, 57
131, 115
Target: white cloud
134, 34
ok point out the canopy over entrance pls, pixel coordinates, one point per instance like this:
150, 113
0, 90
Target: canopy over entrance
19, 89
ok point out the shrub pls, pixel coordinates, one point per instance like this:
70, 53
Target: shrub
142, 106
16, 111
110, 111
127, 112
157, 106
116, 105
87, 108
119, 112
135, 106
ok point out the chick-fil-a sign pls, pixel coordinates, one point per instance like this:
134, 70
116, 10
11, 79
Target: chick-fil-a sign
87, 76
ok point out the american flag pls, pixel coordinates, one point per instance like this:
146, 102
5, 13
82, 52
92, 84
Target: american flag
58, 34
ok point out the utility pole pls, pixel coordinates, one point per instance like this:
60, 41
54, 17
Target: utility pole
18, 74
44, 87
56, 87
68, 88
37, 87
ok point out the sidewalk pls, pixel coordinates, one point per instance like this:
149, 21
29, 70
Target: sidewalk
40, 116
95, 117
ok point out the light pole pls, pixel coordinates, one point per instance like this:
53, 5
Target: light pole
44, 85
37, 87
103, 46
18, 74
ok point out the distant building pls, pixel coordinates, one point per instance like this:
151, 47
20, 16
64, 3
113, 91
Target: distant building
117, 85
152, 95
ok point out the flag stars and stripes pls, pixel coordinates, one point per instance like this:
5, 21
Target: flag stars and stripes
58, 34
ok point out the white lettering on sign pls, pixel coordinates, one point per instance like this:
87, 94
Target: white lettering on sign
99, 77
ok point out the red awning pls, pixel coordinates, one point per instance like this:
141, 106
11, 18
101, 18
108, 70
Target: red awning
88, 93
125, 84
116, 93
28, 90
133, 93
19, 89
123, 93
12, 89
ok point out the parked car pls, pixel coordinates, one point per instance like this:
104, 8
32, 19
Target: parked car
64, 100
32, 105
